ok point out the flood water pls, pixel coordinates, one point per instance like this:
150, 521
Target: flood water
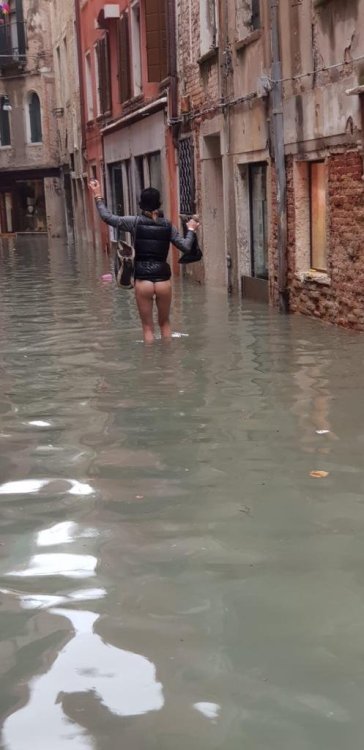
171, 575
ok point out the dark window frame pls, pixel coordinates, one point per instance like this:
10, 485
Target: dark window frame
35, 118
5, 132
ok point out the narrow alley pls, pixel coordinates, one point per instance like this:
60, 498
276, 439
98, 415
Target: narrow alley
181, 525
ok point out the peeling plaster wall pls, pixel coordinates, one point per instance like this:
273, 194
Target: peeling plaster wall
316, 36
323, 122
17, 84
68, 122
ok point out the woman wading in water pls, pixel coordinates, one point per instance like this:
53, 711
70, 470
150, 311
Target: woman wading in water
152, 273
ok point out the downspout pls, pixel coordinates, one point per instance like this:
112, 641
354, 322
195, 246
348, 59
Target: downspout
80, 68
279, 159
172, 68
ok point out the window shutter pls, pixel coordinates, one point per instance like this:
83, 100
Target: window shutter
99, 75
103, 61
156, 32
124, 58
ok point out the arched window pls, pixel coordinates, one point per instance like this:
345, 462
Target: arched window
5, 139
35, 120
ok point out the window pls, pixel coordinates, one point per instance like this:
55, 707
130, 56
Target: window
318, 203
247, 17
5, 139
59, 76
89, 92
135, 46
103, 75
65, 71
35, 120
124, 73
156, 37
139, 177
12, 35
186, 177
97, 81
258, 220
208, 26
148, 173
120, 189
255, 16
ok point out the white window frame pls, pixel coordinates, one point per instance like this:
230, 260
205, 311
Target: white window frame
65, 70
209, 27
135, 44
89, 88
97, 81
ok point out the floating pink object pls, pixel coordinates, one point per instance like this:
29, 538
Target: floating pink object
107, 277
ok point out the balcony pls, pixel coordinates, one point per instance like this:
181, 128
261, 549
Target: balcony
12, 44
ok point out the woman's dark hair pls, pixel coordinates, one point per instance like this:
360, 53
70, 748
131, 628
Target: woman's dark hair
150, 199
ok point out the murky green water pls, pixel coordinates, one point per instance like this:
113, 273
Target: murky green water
171, 576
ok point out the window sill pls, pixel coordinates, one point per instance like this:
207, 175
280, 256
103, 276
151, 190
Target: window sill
250, 39
207, 56
319, 277
6, 148
38, 143
103, 116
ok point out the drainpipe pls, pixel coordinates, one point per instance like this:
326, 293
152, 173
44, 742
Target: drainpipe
278, 141
80, 68
172, 67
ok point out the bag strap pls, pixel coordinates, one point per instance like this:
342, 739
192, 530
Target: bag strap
134, 231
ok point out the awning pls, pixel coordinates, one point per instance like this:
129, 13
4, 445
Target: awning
138, 114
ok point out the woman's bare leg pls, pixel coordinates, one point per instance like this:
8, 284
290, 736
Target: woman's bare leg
144, 294
163, 293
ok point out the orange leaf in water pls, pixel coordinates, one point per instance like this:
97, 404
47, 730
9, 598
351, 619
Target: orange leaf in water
319, 474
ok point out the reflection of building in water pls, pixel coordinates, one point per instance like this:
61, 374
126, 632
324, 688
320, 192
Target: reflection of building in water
312, 404
123, 682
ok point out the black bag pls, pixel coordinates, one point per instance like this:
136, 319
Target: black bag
124, 261
193, 256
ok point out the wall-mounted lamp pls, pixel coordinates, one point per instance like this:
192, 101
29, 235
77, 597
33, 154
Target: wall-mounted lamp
5, 104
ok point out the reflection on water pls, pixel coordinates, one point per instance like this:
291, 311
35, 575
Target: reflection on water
123, 682
170, 573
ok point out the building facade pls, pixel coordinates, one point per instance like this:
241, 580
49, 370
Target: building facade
323, 68
270, 125
129, 82
31, 197
68, 116
224, 158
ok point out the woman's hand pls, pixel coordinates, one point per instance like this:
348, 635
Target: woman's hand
193, 225
94, 186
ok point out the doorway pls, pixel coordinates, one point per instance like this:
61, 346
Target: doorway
213, 212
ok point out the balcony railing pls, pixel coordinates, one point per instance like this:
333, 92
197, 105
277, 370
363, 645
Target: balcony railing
12, 43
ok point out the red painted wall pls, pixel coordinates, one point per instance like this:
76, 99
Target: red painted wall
90, 12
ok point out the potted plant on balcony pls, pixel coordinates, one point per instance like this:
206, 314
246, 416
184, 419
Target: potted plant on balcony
4, 11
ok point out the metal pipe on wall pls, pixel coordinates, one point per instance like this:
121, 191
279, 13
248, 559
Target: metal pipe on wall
80, 68
279, 157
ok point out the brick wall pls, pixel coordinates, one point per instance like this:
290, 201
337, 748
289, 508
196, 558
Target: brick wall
199, 82
342, 301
